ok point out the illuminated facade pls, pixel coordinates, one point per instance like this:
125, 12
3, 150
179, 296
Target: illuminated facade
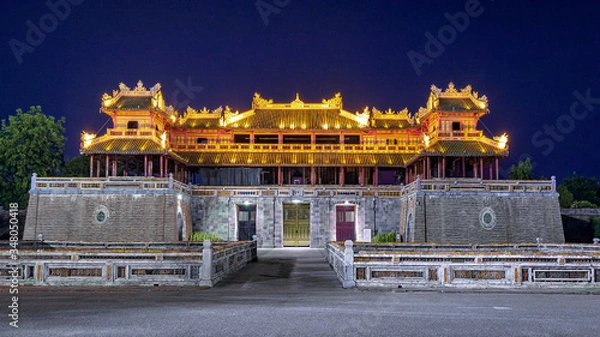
294, 143
294, 174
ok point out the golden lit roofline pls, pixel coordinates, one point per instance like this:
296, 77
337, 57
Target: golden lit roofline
451, 92
259, 102
139, 91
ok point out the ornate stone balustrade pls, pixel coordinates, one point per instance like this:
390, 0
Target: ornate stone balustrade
433, 186
117, 263
465, 266
225, 147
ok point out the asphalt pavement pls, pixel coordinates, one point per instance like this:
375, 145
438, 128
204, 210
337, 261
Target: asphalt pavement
294, 292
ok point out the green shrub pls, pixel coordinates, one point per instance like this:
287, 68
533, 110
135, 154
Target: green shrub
384, 237
583, 204
201, 236
596, 224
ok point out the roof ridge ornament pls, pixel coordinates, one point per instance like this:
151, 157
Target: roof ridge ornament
259, 102
297, 103
335, 101
140, 86
451, 88
155, 88
466, 92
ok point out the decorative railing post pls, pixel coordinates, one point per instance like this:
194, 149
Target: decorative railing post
206, 274
170, 181
254, 247
348, 281
418, 182
553, 183
33, 181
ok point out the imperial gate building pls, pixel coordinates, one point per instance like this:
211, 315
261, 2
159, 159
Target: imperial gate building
296, 174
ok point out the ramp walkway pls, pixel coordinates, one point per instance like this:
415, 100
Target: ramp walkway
284, 269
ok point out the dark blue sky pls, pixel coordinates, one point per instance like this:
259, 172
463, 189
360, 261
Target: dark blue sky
532, 60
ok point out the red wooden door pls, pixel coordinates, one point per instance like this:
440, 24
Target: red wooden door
345, 222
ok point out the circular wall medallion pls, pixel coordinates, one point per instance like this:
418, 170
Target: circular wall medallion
100, 214
487, 218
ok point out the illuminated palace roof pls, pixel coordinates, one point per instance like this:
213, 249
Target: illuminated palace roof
143, 124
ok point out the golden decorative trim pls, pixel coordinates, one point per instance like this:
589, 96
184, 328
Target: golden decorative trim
259, 102
335, 101
154, 92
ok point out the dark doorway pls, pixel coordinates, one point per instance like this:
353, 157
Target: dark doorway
246, 222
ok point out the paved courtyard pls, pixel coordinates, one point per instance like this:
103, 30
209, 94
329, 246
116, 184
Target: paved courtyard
294, 292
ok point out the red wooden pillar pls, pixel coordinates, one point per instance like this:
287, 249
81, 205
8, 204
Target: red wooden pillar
106, 167
342, 174
361, 179
444, 167
160, 160
481, 167
490, 172
464, 171
428, 170
126, 169
497, 173
375, 176
313, 176
114, 166
439, 168
279, 175
98, 168
151, 167
475, 170
91, 166
145, 165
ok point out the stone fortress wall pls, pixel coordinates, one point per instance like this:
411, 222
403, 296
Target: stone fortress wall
154, 209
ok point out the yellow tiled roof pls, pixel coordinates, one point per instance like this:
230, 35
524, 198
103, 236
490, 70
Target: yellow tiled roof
457, 104
469, 148
132, 103
201, 123
390, 124
125, 146
293, 159
301, 119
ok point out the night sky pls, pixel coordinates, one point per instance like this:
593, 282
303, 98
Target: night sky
536, 61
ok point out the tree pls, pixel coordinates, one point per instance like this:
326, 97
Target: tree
595, 220
583, 188
78, 167
523, 171
31, 142
565, 198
